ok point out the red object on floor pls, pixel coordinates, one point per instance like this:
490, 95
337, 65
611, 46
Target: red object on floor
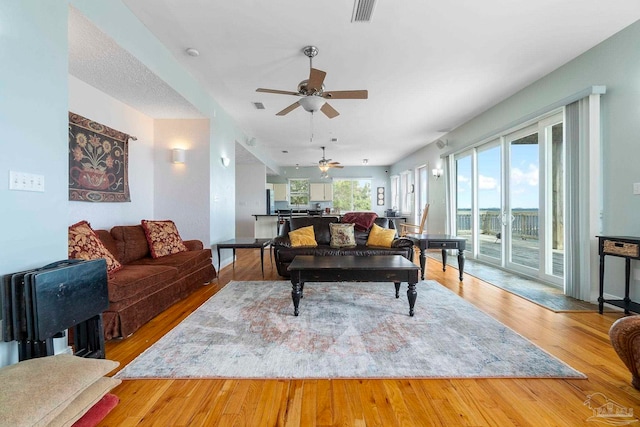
98, 411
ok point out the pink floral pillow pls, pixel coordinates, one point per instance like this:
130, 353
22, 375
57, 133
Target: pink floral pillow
85, 244
342, 235
163, 238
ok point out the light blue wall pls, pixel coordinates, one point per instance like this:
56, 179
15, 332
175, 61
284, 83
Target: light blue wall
34, 121
614, 63
33, 135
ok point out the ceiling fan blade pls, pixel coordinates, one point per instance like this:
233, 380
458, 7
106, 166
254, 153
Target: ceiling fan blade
316, 78
329, 111
333, 163
280, 92
346, 94
335, 166
289, 109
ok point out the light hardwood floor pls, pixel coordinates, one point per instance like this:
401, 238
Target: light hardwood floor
579, 339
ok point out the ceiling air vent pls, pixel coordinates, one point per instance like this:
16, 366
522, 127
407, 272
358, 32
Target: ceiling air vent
258, 105
362, 10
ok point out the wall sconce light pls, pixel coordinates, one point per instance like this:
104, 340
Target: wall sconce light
177, 155
225, 161
437, 173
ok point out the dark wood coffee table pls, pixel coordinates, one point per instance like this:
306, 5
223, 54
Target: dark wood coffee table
386, 268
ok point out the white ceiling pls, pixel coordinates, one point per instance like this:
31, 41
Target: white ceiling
429, 66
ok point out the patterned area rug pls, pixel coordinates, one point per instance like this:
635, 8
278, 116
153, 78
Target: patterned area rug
547, 296
344, 330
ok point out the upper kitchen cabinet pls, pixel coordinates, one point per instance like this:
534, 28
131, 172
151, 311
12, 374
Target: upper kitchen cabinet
319, 192
280, 193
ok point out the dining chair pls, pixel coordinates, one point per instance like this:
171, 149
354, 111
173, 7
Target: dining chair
415, 228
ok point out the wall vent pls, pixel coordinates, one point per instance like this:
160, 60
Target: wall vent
258, 105
362, 10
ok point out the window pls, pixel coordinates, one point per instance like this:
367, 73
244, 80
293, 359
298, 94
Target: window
299, 192
406, 192
352, 194
395, 192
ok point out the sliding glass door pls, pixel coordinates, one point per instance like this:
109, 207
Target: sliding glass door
464, 198
509, 200
489, 213
523, 204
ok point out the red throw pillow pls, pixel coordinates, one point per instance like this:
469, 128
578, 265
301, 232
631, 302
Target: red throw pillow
85, 244
163, 238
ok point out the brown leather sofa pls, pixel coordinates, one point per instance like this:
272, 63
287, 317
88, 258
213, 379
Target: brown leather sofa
145, 286
284, 253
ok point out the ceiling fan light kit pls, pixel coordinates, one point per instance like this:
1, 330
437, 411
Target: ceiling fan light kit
312, 91
312, 103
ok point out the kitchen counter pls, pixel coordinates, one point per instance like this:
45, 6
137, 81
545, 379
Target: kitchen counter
293, 214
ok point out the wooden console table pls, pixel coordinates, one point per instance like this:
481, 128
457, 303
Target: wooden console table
626, 247
439, 241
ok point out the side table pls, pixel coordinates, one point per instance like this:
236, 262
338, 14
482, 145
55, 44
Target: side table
244, 243
627, 247
439, 241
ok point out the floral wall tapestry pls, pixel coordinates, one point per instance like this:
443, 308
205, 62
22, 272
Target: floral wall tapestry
98, 157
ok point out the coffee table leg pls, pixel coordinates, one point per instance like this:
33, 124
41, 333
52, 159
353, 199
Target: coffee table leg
296, 292
412, 295
397, 285
423, 259
444, 260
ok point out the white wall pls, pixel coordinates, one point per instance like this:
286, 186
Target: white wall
182, 190
100, 107
250, 197
116, 21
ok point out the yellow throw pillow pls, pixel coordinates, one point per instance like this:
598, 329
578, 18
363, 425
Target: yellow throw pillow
382, 237
303, 237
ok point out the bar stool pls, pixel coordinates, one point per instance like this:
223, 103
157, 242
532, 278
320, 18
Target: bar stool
283, 215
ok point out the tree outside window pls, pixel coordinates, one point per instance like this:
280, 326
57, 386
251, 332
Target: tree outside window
352, 194
299, 192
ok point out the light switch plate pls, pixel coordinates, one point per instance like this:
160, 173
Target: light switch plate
636, 188
23, 181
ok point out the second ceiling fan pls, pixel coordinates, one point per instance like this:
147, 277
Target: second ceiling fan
311, 91
325, 164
